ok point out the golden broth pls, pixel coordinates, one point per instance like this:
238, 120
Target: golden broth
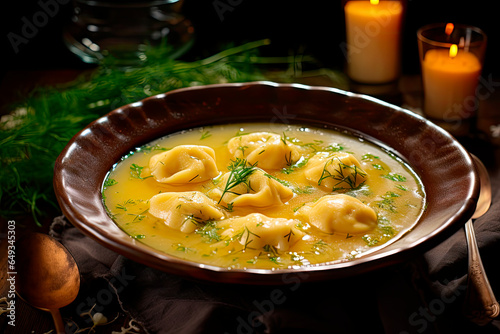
392, 190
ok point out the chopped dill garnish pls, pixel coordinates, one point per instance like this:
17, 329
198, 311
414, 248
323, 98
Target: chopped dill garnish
194, 220
298, 164
240, 133
289, 235
401, 187
242, 149
319, 246
229, 207
239, 174
297, 208
236, 163
205, 135
288, 159
138, 217
387, 202
350, 178
334, 148
136, 171
284, 138
209, 231
283, 182
149, 149
110, 182
247, 242
125, 204
395, 177
370, 241
369, 157
121, 207
270, 249
386, 227
181, 248
314, 146
295, 189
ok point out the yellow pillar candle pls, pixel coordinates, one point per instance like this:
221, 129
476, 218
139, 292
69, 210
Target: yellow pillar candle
373, 40
450, 83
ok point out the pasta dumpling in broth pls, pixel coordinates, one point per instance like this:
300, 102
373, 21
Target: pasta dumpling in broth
267, 150
339, 214
257, 231
333, 172
250, 186
184, 164
184, 211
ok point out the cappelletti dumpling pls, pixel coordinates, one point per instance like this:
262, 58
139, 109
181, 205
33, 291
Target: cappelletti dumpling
267, 150
257, 231
339, 213
332, 172
184, 211
184, 164
257, 190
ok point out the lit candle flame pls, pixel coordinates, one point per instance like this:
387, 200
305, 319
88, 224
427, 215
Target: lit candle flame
374, 2
449, 28
453, 50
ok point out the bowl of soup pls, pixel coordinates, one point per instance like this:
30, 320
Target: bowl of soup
253, 182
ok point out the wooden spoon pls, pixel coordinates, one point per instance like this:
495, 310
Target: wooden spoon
47, 275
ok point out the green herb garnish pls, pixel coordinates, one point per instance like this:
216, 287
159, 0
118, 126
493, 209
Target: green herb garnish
210, 231
298, 164
369, 157
136, 171
247, 242
110, 182
205, 135
344, 174
240, 173
395, 177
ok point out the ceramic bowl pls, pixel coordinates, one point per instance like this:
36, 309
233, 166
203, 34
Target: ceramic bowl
444, 166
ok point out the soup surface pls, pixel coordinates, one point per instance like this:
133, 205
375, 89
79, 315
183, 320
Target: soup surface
263, 196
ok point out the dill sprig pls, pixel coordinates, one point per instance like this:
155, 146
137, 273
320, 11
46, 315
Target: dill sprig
240, 172
350, 178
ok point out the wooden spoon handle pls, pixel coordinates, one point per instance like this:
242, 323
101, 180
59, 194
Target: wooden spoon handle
58, 322
480, 305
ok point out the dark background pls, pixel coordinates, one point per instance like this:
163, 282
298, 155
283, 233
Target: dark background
315, 26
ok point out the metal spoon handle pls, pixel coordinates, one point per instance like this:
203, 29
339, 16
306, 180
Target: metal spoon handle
480, 306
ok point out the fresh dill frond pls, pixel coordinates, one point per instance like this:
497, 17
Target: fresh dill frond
240, 173
298, 164
395, 177
344, 174
136, 172
210, 231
